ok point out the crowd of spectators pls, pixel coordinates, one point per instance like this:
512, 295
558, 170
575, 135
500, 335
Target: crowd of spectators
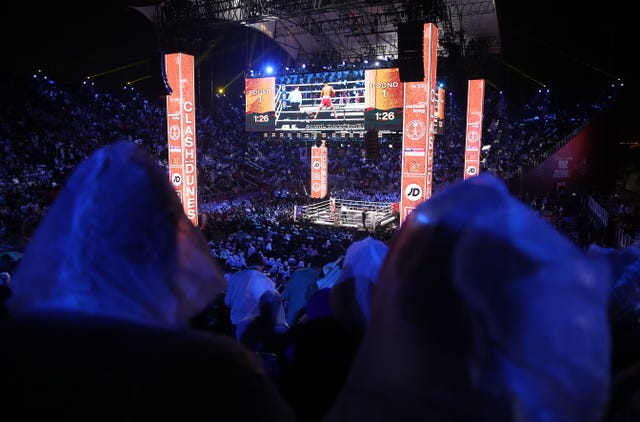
304, 321
47, 129
482, 312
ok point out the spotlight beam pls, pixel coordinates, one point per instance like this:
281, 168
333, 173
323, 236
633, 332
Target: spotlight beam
521, 72
117, 69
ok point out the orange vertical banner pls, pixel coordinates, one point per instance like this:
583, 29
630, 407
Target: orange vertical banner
439, 121
319, 171
324, 173
414, 148
430, 54
181, 131
473, 139
441, 103
418, 131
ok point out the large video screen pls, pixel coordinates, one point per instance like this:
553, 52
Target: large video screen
354, 100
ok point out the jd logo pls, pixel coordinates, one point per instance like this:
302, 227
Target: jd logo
176, 179
471, 171
413, 192
316, 164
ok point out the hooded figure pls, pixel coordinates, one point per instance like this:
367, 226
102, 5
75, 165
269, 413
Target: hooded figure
265, 323
101, 305
482, 311
351, 294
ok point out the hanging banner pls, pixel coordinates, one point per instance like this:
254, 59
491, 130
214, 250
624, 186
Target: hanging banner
324, 171
181, 131
417, 133
439, 121
430, 63
414, 148
319, 171
473, 139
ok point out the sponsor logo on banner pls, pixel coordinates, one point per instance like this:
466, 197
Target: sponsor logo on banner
176, 179
415, 152
315, 187
414, 166
406, 211
413, 192
174, 132
415, 130
316, 164
471, 171
473, 136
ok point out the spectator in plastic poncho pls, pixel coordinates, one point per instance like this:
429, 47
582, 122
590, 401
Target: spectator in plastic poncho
101, 309
482, 311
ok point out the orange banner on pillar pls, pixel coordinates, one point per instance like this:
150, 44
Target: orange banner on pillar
439, 121
418, 131
414, 148
473, 139
181, 131
319, 171
430, 65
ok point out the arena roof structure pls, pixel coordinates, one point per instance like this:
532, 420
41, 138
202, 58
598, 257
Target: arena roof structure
330, 31
532, 43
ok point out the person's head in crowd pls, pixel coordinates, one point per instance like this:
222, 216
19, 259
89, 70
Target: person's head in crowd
255, 261
482, 311
5, 293
117, 243
270, 309
330, 272
8, 263
270, 306
319, 305
5, 279
316, 262
351, 293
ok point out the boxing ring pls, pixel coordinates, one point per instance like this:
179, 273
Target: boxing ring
361, 215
